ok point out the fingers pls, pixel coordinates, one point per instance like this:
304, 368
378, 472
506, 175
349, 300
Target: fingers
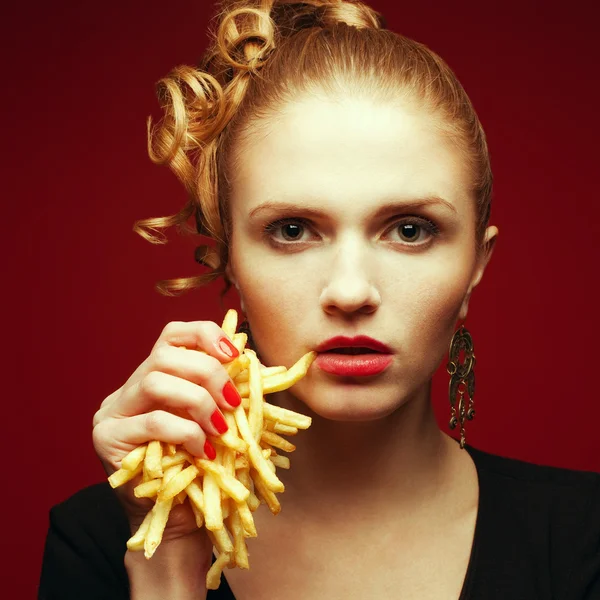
204, 336
155, 425
198, 335
201, 369
161, 390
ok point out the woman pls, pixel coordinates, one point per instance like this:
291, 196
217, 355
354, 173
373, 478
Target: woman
344, 177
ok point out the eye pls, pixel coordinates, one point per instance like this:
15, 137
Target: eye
415, 231
286, 230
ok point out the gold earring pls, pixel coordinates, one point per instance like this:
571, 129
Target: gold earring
462, 379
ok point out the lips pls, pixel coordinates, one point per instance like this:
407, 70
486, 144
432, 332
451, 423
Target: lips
352, 351
360, 356
344, 344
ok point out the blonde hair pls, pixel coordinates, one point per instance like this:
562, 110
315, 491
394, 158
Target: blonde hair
262, 53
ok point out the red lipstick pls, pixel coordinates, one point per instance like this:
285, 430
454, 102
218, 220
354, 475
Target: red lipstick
359, 356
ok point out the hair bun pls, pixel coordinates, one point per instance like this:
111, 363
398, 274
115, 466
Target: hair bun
246, 31
245, 36
292, 16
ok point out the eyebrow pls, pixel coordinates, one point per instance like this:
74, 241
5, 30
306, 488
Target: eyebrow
381, 211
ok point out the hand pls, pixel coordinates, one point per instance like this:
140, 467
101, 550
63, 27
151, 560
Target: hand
176, 395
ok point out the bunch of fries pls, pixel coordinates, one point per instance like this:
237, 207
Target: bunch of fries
223, 493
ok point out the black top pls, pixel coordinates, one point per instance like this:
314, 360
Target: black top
537, 537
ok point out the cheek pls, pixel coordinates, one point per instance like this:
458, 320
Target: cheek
276, 300
431, 313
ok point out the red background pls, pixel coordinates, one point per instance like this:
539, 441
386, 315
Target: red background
81, 312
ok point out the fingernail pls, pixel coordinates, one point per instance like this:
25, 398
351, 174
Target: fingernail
227, 347
210, 452
218, 421
231, 395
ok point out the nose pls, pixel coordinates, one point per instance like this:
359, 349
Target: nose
349, 286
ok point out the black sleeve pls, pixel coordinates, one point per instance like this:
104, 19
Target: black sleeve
85, 549
584, 580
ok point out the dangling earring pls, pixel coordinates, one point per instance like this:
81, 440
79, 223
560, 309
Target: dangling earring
462, 379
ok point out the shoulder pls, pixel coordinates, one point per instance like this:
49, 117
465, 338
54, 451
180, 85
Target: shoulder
528, 473
98, 499
94, 514
542, 484
548, 516
85, 546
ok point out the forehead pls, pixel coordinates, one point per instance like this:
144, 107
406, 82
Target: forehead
348, 153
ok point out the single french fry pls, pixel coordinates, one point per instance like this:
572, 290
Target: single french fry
255, 411
246, 518
229, 324
239, 341
170, 473
264, 372
178, 483
286, 416
180, 456
225, 507
283, 462
280, 428
171, 449
243, 476
194, 492
134, 458
264, 492
152, 460
229, 461
160, 515
253, 502
198, 514
277, 441
213, 515
229, 440
136, 542
213, 577
149, 489
221, 540
240, 551
283, 381
121, 476
145, 475
180, 498
254, 452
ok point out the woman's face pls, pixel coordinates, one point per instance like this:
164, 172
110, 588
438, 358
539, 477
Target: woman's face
353, 217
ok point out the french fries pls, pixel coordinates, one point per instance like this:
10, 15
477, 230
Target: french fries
222, 493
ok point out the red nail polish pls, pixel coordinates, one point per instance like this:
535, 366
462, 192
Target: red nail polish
210, 452
219, 422
227, 347
231, 395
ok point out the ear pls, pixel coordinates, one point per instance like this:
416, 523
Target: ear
489, 243
234, 281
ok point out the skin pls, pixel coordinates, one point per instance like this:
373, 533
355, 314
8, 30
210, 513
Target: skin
350, 271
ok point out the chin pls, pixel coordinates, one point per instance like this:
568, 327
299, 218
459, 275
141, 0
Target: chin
354, 405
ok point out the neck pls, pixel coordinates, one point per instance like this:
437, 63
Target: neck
399, 461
